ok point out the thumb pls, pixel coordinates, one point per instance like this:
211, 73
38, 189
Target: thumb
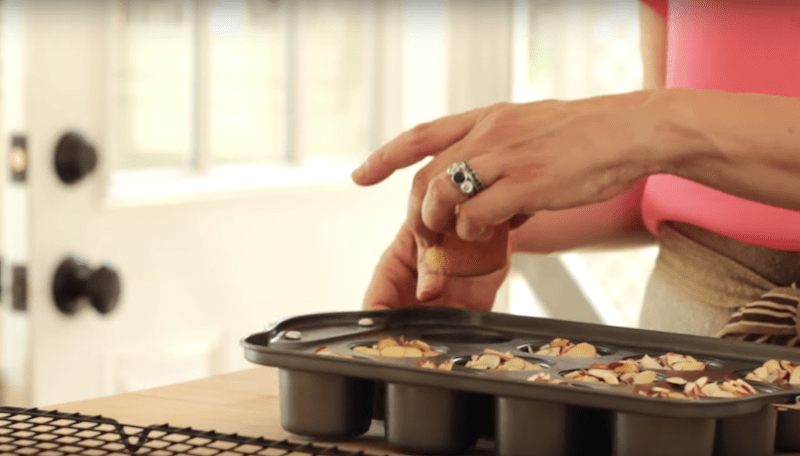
431, 280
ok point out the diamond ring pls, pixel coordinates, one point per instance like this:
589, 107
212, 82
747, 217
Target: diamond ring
465, 178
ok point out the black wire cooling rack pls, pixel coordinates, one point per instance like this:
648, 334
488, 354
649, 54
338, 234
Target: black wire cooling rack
51, 433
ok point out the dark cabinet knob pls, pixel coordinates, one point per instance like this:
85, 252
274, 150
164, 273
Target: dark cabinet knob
74, 280
75, 157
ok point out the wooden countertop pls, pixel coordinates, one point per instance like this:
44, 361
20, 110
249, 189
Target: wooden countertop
244, 403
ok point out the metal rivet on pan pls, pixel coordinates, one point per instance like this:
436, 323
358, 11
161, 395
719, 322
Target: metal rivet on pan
293, 335
366, 322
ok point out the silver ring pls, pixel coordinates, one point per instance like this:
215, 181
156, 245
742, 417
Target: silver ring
465, 178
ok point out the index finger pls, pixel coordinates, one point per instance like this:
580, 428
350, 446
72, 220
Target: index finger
413, 145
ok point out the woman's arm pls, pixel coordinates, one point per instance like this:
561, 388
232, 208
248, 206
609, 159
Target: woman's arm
746, 145
615, 223
612, 224
400, 278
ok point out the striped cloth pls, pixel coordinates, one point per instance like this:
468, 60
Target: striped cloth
772, 319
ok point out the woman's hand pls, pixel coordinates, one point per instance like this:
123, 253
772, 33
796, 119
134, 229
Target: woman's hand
395, 279
546, 155
531, 157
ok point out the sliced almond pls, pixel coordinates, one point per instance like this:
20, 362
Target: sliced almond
673, 358
412, 352
422, 346
531, 366
648, 362
539, 377
747, 388
394, 351
678, 381
794, 378
604, 375
721, 394
515, 364
710, 389
475, 363
505, 356
325, 351
771, 377
488, 360
559, 342
753, 377
546, 378
581, 350
626, 367
385, 343
599, 373
691, 389
761, 372
730, 387
582, 376
555, 351
644, 377
689, 366
772, 365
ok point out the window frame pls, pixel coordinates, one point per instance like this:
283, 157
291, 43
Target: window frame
435, 58
201, 179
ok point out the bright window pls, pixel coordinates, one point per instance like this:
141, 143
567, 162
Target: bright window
203, 83
570, 49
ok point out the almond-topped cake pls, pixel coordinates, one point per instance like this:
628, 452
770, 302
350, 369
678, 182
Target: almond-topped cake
701, 388
495, 360
672, 361
616, 373
565, 348
398, 348
774, 371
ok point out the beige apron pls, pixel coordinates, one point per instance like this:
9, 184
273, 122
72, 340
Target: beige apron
708, 284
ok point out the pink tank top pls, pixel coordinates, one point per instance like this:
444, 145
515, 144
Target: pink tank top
735, 46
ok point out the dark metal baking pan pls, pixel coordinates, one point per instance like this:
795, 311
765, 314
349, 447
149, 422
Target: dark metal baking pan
443, 412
